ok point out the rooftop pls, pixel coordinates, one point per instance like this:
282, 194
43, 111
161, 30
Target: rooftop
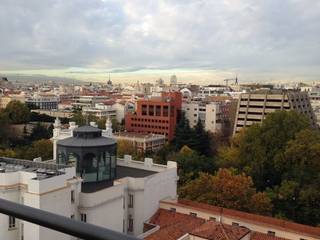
43, 170
249, 217
137, 135
173, 226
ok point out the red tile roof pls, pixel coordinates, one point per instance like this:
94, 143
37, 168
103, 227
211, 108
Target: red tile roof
262, 236
249, 217
217, 231
173, 225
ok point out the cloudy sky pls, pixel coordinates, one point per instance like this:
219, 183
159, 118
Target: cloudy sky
198, 40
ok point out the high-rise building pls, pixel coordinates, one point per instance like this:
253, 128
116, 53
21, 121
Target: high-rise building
253, 107
157, 115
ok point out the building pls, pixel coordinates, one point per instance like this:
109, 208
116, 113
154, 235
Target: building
187, 220
314, 96
143, 142
253, 107
80, 101
42, 102
91, 186
4, 100
214, 116
158, 115
100, 111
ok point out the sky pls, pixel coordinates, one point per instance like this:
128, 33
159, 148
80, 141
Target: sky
200, 41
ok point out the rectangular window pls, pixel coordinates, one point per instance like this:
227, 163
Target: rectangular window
72, 216
235, 224
130, 225
165, 111
72, 196
12, 222
83, 217
212, 219
130, 205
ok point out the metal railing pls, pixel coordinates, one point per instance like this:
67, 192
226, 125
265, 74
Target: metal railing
60, 223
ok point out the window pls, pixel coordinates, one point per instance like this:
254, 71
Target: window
212, 219
130, 225
193, 214
130, 201
12, 222
235, 224
83, 217
271, 233
172, 210
72, 216
72, 196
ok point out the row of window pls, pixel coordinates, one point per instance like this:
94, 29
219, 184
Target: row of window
149, 120
149, 126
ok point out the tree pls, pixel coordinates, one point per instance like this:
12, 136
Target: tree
190, 164
18, 112
39, 132
184, 135
4, 132
255, 149
125, 147
202, 139
41, 148
226, 189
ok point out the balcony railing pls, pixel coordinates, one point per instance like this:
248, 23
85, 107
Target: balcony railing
60, 223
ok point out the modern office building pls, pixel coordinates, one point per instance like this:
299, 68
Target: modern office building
253, 107
158, 115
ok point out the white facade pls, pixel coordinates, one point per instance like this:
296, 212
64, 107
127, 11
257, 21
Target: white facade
209, 115
122, 207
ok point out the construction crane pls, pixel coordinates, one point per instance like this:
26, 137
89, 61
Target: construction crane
231, 79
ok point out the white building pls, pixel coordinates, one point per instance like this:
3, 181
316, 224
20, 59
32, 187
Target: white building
208, 113
100, 110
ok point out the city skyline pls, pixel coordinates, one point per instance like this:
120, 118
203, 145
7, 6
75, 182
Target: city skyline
205, 41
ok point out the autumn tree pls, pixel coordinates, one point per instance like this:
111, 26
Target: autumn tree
41, 148
125, 147
226, 189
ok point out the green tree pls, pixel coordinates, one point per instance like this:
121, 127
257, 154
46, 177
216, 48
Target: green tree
255, 149
184, 135
226, 189
191, 163
202, 139
4, 132
39, 132
17, 112
41, 148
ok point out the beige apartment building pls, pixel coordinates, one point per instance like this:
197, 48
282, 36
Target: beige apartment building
253, 107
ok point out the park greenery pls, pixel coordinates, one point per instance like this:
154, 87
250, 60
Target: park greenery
30, 143
270, 168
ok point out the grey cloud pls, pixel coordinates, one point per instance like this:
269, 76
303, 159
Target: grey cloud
129, 35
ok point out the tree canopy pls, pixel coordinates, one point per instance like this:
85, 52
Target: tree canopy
226, 189
17, 112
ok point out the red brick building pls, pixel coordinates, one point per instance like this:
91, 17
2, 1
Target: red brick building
157, 115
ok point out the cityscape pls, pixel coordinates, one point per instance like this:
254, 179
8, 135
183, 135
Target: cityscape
140, 122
